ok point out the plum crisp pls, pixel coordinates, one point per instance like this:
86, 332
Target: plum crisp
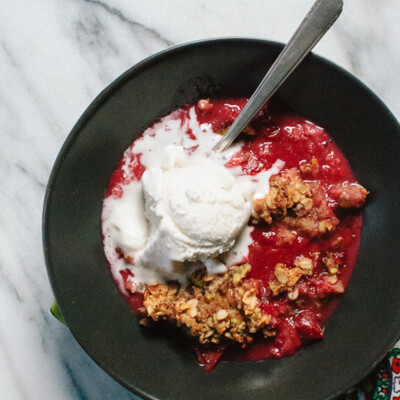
272, 288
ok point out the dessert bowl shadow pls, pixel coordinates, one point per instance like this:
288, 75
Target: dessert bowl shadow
367, 321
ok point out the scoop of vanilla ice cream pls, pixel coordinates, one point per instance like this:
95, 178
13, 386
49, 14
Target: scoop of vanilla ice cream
195, 209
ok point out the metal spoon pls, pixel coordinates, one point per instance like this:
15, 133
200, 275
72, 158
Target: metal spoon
316, 23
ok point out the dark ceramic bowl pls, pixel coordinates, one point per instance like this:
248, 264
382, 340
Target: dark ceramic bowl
367, 321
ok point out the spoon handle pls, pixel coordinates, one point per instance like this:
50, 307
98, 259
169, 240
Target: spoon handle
316, 23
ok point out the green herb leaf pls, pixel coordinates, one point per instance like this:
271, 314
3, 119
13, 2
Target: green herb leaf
56, 312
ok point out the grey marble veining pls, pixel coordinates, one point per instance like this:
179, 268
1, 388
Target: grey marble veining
55, 57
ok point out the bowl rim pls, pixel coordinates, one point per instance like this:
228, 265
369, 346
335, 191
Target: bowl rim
103, 96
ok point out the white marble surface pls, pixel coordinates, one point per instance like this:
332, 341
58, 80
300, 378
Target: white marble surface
55, 57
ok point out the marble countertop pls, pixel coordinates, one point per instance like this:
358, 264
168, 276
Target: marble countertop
55, 57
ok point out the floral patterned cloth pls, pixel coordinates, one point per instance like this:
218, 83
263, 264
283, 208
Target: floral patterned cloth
383, 383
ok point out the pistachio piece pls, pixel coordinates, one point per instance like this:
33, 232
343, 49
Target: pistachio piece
240, 272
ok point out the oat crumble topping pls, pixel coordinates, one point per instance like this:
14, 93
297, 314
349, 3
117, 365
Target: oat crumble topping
214, 308
301, 205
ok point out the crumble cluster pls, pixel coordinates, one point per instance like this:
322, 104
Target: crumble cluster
301, 205
287, 277
214, 308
